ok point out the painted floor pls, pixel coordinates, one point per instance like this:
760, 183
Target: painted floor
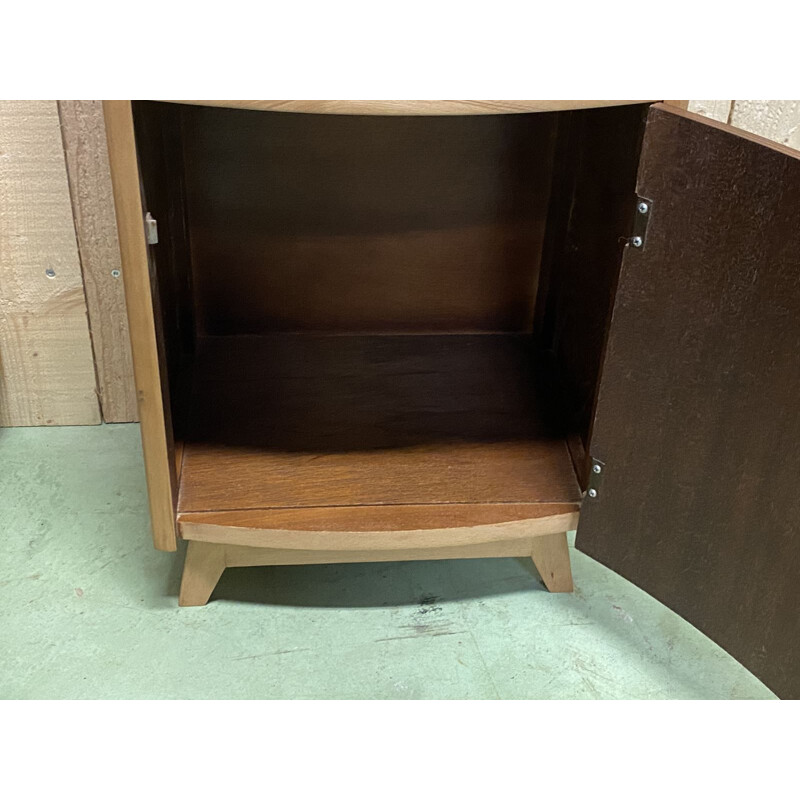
88, 609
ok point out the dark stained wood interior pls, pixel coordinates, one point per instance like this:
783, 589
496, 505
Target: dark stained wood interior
365, 224
308, 420
591, 213
159, 146
300, 229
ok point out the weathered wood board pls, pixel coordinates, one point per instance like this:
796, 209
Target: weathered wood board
84, 133
47, 372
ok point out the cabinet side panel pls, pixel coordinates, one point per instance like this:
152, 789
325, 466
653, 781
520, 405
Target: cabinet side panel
159, 144
697, 419
591, 213
161, 483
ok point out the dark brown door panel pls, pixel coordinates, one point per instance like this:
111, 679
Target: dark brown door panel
698, 416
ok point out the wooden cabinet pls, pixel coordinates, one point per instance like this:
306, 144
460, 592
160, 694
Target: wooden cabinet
458, 330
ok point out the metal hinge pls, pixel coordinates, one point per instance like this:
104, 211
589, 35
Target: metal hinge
596, 473
641, 216
151, 228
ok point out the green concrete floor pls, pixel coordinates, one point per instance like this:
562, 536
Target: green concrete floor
88, 609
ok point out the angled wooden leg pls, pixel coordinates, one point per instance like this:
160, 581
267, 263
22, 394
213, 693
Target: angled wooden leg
202, 569
550, 555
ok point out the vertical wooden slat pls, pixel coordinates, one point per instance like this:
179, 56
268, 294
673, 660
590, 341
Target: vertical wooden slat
84, 134
135, 270
46, 369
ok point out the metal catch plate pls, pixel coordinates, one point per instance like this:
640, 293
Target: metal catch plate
596, 473
641, 216
150, 228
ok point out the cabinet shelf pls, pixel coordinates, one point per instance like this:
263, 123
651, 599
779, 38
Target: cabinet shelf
379, 432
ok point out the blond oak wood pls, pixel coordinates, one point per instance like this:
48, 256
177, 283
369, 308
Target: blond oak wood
86, 149
46, 366
395, 539
205, 561
550, 555
381, 518
130, 223
410, 107
202, 569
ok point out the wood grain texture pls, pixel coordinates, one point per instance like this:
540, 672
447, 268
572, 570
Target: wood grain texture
365, 224
161, 479
307, 420
84, 133
409, 107
202, 569
550, 555
237, 556
590, 218
46, 367
697, 417
392, 536
206, 561
381, 518
159, 144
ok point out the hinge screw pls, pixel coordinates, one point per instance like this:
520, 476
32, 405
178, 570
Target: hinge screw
592, 493
597, 469
643, 208
636, 241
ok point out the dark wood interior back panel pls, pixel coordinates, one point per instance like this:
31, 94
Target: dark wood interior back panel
368, 224
591, 211
160, 150
698, 418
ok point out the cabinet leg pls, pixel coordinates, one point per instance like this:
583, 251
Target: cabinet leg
201, 571
550, 555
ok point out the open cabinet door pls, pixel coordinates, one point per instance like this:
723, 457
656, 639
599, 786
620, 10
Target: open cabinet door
698, 414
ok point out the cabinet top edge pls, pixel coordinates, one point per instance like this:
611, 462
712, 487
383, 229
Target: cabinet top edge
411, 107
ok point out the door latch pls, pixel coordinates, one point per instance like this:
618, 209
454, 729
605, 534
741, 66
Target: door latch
151, 228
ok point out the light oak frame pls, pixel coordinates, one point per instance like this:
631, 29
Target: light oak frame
206, 561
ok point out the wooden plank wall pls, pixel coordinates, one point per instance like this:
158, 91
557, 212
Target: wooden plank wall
46, 368
778, 120
86, 150
64, 349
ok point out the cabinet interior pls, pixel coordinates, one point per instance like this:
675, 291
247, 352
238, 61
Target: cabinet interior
382, 312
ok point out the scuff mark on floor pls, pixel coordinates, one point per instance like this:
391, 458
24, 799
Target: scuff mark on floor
273, 653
